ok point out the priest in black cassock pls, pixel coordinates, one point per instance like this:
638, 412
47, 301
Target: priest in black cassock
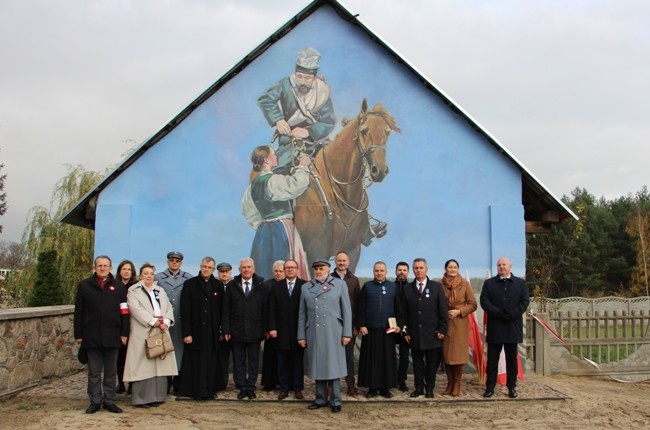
377, 361
201, 303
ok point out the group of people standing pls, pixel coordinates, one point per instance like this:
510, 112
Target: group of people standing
209, 317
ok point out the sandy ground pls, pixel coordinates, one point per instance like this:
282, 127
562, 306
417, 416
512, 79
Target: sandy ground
544, 402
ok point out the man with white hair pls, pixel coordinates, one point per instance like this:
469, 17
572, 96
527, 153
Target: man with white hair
243, 323
504, 298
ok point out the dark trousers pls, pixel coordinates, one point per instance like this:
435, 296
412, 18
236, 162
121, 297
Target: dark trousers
425, 366
494, 352
121, 362
102, 360
349, 361
290, 370
224, 360
246, 362
403, 365
269, 365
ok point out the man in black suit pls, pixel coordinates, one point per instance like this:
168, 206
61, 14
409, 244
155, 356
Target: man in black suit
401, 279
224, 275
269, 357
284, 305
423, 310
101, 327
244, 322
504, 298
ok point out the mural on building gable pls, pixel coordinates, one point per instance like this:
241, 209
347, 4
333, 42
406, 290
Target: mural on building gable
307, 196
448, 194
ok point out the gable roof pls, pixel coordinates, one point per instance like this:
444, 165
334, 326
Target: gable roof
541, 207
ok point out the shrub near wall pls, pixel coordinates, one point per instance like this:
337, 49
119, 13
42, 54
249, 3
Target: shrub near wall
35, 344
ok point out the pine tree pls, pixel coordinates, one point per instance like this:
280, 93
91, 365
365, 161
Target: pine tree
48, 290
45, 232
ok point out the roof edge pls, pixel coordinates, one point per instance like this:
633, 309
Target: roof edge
82, 214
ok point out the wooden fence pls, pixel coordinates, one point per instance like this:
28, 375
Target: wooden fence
617, 341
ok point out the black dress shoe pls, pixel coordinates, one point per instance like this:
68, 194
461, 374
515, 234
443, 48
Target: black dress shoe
112, 407
371, 393
94, 407
155, 404
512, 393
241, 394
429, 394
314, 406
336, 408
416, 393
120, 388
386, 394
489, 392
144, 406
403, 387
251, 394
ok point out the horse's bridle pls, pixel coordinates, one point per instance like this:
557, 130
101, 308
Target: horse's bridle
357, 140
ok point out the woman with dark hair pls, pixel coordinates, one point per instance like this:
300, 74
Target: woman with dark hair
150, 309
455, 346
126, 275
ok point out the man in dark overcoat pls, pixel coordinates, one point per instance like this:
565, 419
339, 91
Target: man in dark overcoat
401, 280
269, 356
244, 323
201, 303
101, 327
423, 310
504, 298
284, 305
342, 271
224, 276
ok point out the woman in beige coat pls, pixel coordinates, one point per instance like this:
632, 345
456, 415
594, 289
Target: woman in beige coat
149, 307
455, 346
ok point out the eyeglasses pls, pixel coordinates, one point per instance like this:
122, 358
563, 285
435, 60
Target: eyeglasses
290, 267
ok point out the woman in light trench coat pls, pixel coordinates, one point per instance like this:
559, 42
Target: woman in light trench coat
149, 307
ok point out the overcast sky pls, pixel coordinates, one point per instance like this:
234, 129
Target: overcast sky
564, 85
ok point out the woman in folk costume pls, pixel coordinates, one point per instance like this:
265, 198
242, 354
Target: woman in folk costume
267, 206
149, 307
455, 346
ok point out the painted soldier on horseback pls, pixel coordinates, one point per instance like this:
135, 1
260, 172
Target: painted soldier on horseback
301, 110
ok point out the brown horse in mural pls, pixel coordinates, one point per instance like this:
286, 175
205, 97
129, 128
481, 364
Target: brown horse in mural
332, 214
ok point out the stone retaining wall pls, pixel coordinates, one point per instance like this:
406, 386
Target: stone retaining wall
35, 344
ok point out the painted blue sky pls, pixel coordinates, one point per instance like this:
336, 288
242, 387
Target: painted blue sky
436, 199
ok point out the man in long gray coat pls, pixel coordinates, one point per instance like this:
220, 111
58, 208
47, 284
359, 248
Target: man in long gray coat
324, 328
171, 280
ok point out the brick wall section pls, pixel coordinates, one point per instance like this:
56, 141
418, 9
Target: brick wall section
35, 344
